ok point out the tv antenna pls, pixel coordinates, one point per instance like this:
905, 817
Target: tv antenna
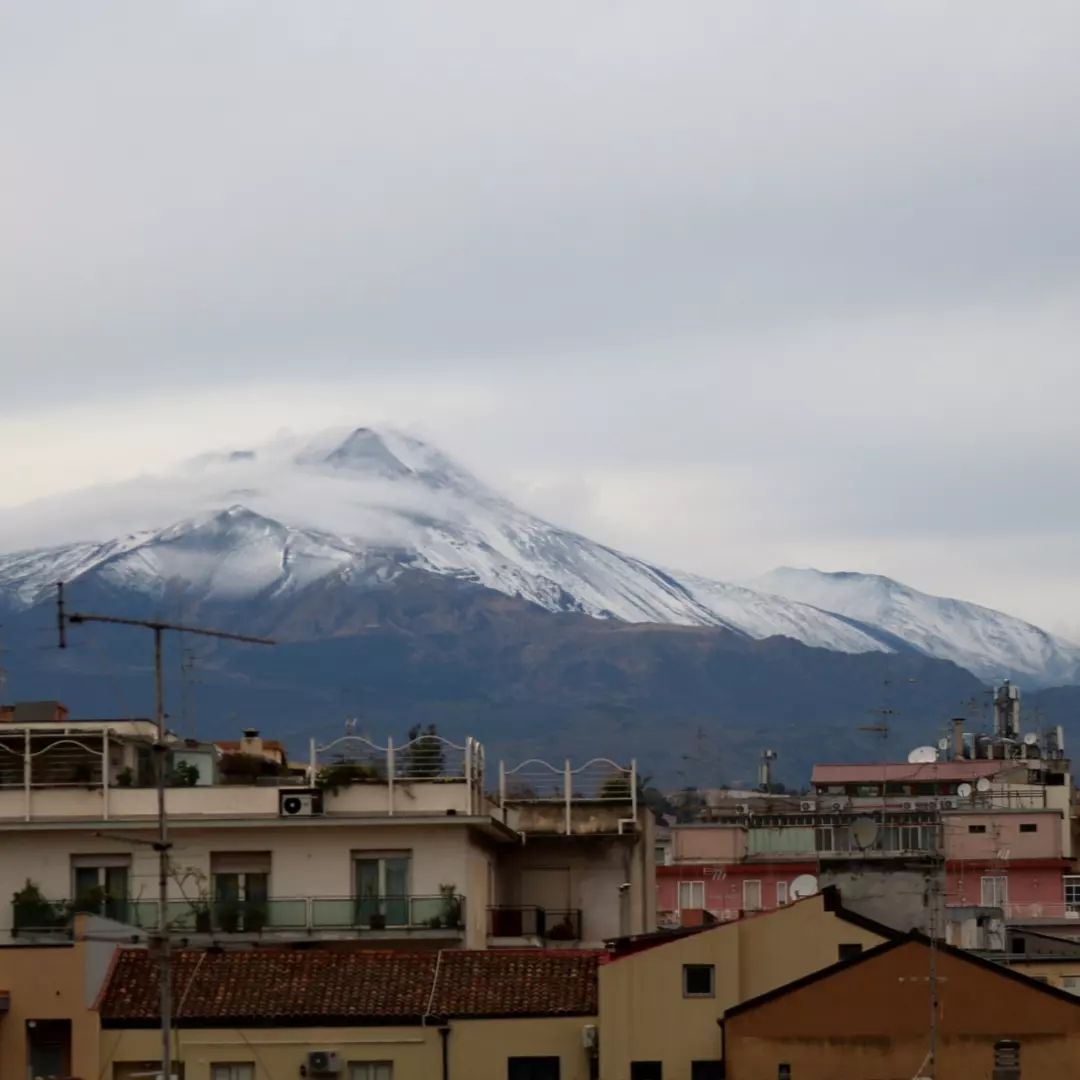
64, 618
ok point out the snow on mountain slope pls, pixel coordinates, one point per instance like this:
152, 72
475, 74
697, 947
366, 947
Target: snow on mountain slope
282, 517
986, 642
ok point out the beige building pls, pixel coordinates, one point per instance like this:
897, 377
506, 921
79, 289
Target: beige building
271, 1013
387, 844
661, 1001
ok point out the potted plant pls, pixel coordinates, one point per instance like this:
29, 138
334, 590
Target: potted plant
31, 911
377, 921
201, 910
125, 777
450, 915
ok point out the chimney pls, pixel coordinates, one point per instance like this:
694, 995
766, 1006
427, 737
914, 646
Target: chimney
252, 742
958, 737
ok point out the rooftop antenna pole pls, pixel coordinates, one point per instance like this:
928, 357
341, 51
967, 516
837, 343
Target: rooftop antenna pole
162, 846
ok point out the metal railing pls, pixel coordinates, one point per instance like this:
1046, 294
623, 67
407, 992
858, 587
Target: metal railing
599, 780
445, 911
529, 920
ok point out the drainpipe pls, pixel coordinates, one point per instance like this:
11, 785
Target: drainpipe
444, 1032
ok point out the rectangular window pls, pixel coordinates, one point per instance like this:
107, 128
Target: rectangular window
699, 980
381, 889
233, 1070
751, 895
1029, 826
781, 893
706, 1070
99, 884
531, 1068
371, 1070
691, 895
994, 891
848, 950
976, 828
1072, 892
646, 1070
1071, 983
241, 890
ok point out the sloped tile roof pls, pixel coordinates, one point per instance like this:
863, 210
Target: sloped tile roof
297, 987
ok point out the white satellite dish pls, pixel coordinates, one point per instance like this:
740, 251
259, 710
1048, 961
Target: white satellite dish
803, 886
1030, 739
964, 791
982, 784
864, 831
922, 755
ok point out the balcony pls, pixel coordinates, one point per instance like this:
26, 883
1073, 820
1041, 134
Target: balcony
535, 923
383, 916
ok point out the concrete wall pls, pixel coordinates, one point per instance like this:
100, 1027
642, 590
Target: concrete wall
870, 1019
890, 891
478, 1049
1002, 833
644, 1015
712, 843
47, 983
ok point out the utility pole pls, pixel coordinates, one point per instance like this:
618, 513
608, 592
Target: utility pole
161, 753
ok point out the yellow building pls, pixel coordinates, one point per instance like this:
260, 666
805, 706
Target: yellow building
273, 1013
660, 1004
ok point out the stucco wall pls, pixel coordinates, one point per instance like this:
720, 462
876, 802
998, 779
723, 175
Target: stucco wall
46, 983
1002, 834
478, 1049
644, 1015
1032, 891
712, 843
890, 891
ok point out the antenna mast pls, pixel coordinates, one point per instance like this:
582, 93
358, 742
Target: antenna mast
162, 845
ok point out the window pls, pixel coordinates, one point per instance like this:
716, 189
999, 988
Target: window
381, 889
781, 893
369, 1070
99, 884
751, 895
531, 1068
706, 1070
233, 1070
48, 1047
698, 980
1071, 983
783, 1071
1029, 826
646, 1070
1072, 892
994, 892
241, 888
848, 950
691, 895
976, 828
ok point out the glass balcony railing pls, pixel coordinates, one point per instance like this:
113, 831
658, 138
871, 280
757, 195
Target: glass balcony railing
406, 913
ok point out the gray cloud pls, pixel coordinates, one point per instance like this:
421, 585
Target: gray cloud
720, 283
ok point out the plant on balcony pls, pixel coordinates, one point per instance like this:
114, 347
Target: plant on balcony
90, 900
125, 777
333, 778
563, 930
449, 915
423, 757
184, 775
239, 768
31, 911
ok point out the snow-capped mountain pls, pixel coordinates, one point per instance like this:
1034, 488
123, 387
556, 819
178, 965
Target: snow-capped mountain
986, 642
345, 511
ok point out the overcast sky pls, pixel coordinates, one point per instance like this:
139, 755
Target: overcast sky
728, 285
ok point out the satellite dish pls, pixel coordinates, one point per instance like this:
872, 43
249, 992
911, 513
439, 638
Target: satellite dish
1030, 739
943, 744
803, 886
922, 755
982, 784
964, 791
864, 831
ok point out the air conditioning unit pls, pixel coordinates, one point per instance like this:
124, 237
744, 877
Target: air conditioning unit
323, 1063
839, 805
302, 802
590, 1037
742, 808
948, 804
909, 806
808, 806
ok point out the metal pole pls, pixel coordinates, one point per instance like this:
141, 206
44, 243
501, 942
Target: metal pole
164, 945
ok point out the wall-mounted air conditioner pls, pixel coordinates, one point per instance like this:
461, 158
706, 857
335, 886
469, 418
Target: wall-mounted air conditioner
742, 808
299, 802
590, 1037
948, 804
323, 1063
808, 806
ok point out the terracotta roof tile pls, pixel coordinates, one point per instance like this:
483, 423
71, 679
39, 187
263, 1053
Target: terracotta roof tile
308, 986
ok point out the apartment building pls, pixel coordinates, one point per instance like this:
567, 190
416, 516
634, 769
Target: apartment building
395, 845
